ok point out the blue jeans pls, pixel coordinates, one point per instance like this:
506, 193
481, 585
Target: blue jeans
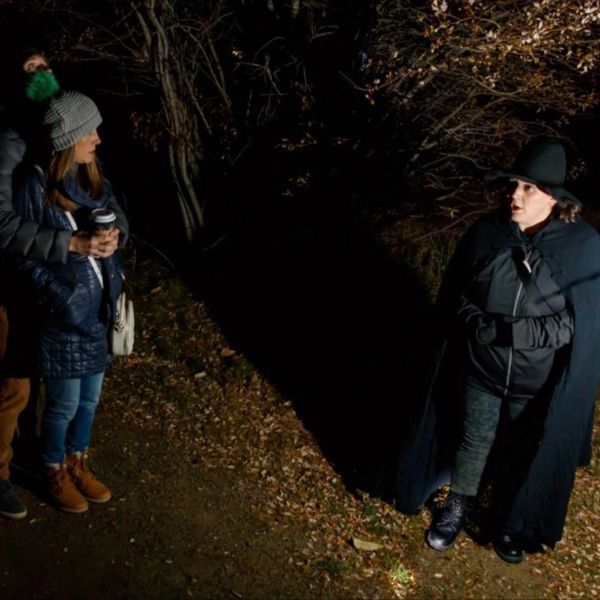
481, 418
69, 415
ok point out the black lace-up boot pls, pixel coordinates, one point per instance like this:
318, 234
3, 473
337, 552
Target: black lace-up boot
449, 521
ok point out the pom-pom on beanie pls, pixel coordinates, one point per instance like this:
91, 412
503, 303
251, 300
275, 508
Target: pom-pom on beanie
68, 116
41, 85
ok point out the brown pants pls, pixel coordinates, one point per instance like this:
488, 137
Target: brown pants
14, 393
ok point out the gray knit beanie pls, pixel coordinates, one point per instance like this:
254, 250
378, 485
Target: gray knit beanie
68, 117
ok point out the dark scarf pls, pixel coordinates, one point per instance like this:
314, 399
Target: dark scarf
70, 188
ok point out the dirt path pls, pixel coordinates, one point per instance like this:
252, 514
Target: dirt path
172, 530
176, 529
220, 491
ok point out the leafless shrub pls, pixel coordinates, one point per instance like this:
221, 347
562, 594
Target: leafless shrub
213, 77
464, 82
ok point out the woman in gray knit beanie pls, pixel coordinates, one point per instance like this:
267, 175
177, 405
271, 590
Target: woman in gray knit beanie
70, 116
70, 123
73, 303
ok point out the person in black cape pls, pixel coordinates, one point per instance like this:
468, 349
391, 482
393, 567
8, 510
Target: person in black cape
518, 368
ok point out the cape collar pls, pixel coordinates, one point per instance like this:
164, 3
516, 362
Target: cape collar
509, 235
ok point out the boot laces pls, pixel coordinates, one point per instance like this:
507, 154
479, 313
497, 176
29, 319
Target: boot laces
454, 510
58, 479
82, 469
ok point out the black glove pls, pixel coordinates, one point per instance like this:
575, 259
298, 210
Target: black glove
485, 328
496, 330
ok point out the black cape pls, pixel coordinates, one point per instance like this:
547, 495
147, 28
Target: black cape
539, 505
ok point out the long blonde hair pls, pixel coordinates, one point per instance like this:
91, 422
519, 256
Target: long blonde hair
62, 164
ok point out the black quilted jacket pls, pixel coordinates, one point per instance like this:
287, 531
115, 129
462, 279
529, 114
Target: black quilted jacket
73, 310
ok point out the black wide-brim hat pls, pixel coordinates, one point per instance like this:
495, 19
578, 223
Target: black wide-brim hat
542, 162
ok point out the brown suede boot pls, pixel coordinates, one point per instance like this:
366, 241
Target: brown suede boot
85, 481
63, 492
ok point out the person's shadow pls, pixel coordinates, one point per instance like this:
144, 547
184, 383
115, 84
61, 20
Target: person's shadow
339, 327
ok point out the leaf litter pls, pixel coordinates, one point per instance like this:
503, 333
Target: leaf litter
186, 381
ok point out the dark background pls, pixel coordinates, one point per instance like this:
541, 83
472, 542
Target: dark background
291, 261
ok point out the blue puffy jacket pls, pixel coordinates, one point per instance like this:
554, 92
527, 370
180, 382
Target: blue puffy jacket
74, 310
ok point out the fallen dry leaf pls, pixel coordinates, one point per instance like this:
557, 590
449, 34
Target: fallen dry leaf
364, 545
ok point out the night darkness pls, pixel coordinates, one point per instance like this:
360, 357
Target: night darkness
314, 261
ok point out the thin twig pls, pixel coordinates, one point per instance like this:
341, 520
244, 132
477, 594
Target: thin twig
450, 225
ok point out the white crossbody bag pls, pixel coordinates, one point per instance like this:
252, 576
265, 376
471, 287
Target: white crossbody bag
122, 333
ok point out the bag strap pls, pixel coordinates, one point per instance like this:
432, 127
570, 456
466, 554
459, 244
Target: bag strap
90, 258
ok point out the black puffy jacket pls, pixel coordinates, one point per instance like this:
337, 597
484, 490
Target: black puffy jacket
73, 309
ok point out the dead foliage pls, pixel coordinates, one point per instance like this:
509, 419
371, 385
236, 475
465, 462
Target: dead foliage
187, 382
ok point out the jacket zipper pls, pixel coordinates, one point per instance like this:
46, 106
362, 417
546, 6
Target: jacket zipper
514, 312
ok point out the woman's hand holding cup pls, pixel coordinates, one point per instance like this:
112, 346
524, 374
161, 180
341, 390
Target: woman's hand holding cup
105, 238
